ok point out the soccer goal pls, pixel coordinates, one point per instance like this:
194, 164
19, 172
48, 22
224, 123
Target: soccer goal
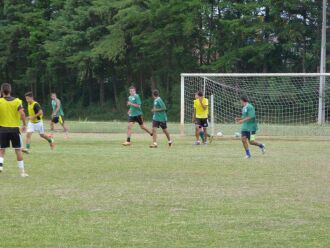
286, 104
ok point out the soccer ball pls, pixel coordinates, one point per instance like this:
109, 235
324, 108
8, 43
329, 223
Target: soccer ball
237, 135
219, 134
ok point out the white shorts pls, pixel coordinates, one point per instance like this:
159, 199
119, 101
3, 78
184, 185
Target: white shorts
36, 127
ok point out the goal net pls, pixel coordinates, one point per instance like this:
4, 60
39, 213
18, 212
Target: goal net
286, 104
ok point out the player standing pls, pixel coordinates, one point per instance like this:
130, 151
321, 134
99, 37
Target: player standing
135, 114
11, 114
57, 114
159, 119
249, 127
200, 117
35, 122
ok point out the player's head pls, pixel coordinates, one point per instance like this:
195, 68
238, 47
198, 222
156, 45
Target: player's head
244, 100
53, 96
132, 90
155, 93
6, 89
29, 97
199, 94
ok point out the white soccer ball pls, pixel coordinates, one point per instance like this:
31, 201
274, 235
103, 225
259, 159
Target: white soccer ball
219, 134
237, 135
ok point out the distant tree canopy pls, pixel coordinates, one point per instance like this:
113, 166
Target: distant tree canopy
90, 51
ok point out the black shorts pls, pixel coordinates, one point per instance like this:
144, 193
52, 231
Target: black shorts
138, 119
58, 119
158, 124
201, 122
13, 138
249, 135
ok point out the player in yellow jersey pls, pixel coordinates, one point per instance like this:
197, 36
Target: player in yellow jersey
35, 123
200, 117
11, 114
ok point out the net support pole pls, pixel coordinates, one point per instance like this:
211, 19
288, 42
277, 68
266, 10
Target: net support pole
321, 112
204, 86
212, 115
182, 113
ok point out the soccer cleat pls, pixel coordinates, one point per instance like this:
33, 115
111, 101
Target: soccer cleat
126, 143
26, 151
154, 145
197, 143
263, 149
24, 174
206, 143
170, 143
247, 157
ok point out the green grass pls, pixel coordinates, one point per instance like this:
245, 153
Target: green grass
92, 192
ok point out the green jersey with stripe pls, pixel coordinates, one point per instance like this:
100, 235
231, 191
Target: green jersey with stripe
135, 111
250, 125
54, 107
159, 115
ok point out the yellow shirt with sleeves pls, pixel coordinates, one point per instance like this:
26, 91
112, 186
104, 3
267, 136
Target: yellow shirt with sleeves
33, 109
201, 113
9, 112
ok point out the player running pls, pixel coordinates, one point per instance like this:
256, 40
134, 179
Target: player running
11, 114
35, 123
135, 114
159, 119
57, 114
249, 127
200, 117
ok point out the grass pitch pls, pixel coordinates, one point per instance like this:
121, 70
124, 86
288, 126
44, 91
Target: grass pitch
92, 192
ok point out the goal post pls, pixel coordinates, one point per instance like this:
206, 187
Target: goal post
287, 104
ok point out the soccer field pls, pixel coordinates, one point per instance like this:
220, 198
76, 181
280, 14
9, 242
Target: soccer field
92, 192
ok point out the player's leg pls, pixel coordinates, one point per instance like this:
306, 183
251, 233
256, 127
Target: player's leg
245, 141
17, 144
2, 156
206, 135
62, 123
154, 135
28, 142
197, 132
168, 136
4, 143
39, 127
140, 120
129, 133
52, 125
253, 142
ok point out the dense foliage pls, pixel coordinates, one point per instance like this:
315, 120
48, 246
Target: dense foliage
90, 51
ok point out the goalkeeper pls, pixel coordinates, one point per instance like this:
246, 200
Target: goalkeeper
249, 127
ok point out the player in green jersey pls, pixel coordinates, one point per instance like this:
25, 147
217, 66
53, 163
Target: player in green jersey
57, 114
135, 114
159, 119
249, 127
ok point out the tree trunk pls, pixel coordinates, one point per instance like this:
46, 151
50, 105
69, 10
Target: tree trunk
102, 93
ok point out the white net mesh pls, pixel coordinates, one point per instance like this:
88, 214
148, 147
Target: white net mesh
285, 105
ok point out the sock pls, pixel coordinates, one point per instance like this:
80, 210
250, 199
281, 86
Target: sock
28, 146
261, 146
202, 135
49, 141
1, 161
151, 134
248, 152
128, 139
20, 165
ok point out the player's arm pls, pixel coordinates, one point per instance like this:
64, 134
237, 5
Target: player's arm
204, 106
137, 104
23, 117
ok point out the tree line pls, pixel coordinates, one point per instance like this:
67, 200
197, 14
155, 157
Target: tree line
90, 51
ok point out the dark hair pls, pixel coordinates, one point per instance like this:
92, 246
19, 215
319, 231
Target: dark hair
155, 93
29, 94
199, 93
244, 98
6, 88
132, 87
